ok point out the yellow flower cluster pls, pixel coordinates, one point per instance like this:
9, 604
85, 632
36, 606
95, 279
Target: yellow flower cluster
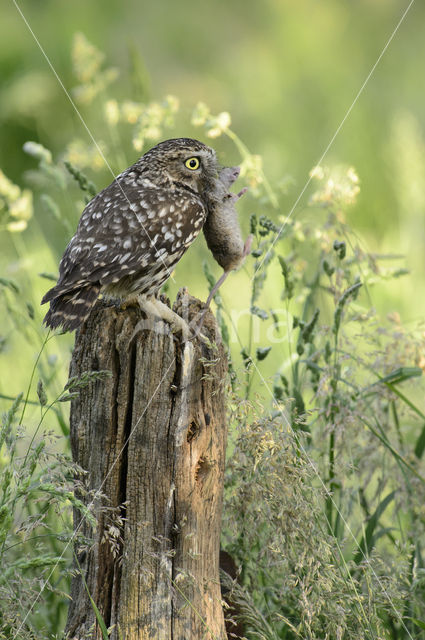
84, 155
148, 120
16, 205
87, 63
339, 186
252, 170
251, 165
152, 119
215, 125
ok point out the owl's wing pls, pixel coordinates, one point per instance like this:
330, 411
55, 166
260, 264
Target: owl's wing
123, 231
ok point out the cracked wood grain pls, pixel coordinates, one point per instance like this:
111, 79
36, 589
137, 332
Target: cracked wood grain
151, 441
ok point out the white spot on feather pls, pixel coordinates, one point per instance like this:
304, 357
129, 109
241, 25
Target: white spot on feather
125, 257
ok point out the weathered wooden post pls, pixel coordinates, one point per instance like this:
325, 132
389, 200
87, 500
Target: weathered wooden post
151, 439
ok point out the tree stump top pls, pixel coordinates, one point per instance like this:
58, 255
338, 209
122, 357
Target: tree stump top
151, 439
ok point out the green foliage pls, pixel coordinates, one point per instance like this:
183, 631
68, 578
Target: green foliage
37, 485
82, 181
325, 487
325, 483
35, 529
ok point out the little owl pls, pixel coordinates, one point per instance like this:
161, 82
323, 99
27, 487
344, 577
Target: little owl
133, 233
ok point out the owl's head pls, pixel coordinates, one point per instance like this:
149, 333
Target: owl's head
184, 161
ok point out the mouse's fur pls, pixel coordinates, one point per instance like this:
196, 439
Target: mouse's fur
221, 228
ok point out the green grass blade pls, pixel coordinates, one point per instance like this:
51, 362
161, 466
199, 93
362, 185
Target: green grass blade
99, 618
367, 541
420, 444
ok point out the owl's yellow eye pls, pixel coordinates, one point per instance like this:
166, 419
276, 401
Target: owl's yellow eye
192, 163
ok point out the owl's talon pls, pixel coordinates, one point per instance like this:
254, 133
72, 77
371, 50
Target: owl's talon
141, 325
154, 307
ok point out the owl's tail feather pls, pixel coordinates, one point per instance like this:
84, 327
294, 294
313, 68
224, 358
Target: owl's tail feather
69, 310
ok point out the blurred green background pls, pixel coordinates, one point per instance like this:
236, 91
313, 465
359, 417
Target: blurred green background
287, 72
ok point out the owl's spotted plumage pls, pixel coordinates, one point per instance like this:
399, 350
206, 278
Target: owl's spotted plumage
133, 233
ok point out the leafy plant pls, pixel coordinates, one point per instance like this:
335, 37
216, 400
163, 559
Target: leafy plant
325, 477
